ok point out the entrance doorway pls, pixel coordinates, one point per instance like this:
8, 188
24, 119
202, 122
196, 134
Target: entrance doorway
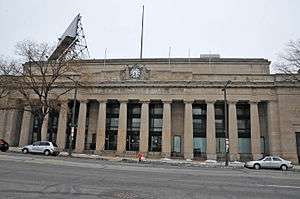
298, 145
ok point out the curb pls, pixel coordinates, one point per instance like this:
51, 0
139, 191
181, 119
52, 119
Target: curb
183, 163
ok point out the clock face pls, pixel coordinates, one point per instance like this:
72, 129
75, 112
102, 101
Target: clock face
135, 73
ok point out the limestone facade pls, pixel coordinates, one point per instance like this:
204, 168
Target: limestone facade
173, 109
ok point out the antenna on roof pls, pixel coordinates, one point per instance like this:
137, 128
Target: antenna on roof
72, 44
169, 55
104, 61
189, 55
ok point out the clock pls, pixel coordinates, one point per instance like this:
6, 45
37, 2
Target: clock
135, 72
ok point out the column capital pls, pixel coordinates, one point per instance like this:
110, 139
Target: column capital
145, 101
102, 101
232, 101
123, 101
83, 101
253, 101
167, 101
210, 101
188, 101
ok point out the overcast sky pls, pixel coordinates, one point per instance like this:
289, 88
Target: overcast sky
231, 28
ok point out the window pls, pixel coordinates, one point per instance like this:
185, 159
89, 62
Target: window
199, 120
155, 126
268, 159
112, 124
243, 120
243, 125
44, 144
276, 159
219, 120
36, 143
133, 127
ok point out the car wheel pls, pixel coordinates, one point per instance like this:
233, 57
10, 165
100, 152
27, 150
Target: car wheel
47, 152
283, 167
256, 166
25, 151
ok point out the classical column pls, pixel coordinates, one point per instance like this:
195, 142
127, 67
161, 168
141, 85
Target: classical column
11, 127
25, 128
255, 131
166, 130
81, 127
62, 125
211, 131
188, 130
144, 129
273, 128
101, 122
44, 130
3, 116
122, 129
232, 131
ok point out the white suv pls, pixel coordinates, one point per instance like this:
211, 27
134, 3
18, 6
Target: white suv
45, 147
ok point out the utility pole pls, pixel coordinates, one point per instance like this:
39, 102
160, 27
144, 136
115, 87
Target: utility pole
226, 124
73, 125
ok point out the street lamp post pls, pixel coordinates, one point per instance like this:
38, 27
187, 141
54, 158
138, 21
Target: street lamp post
226, 124
73, 125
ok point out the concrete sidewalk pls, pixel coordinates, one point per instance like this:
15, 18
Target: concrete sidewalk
167, 161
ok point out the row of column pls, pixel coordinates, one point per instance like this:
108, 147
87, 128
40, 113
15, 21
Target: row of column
233, 131
144, 129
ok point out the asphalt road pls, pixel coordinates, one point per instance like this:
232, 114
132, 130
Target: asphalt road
34, 176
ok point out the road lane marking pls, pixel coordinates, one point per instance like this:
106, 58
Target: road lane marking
278, 186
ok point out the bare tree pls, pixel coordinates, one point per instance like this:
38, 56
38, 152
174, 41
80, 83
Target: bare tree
8, 69
289, 63
41, 83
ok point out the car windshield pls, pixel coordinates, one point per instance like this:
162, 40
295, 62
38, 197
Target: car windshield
260, 159
54, 144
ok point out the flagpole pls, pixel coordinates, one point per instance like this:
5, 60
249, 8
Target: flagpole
104, 62
169, 55
189, 54
142, 34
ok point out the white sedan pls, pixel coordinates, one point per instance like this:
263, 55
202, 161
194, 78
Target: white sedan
272, 162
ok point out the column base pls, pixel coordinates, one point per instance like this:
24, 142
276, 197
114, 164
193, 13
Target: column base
234, 157
78, 151
211, 156
256, 156
121, 153
166, 155
188, 156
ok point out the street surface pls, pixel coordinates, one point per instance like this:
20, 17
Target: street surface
35, 176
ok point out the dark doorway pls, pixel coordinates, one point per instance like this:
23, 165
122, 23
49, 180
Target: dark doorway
112, 123
155, 126
298, 145
68, 132
133, 126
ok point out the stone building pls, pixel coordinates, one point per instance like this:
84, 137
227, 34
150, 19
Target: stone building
173, 108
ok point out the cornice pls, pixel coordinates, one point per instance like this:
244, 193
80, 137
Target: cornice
177, 60
182, 84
